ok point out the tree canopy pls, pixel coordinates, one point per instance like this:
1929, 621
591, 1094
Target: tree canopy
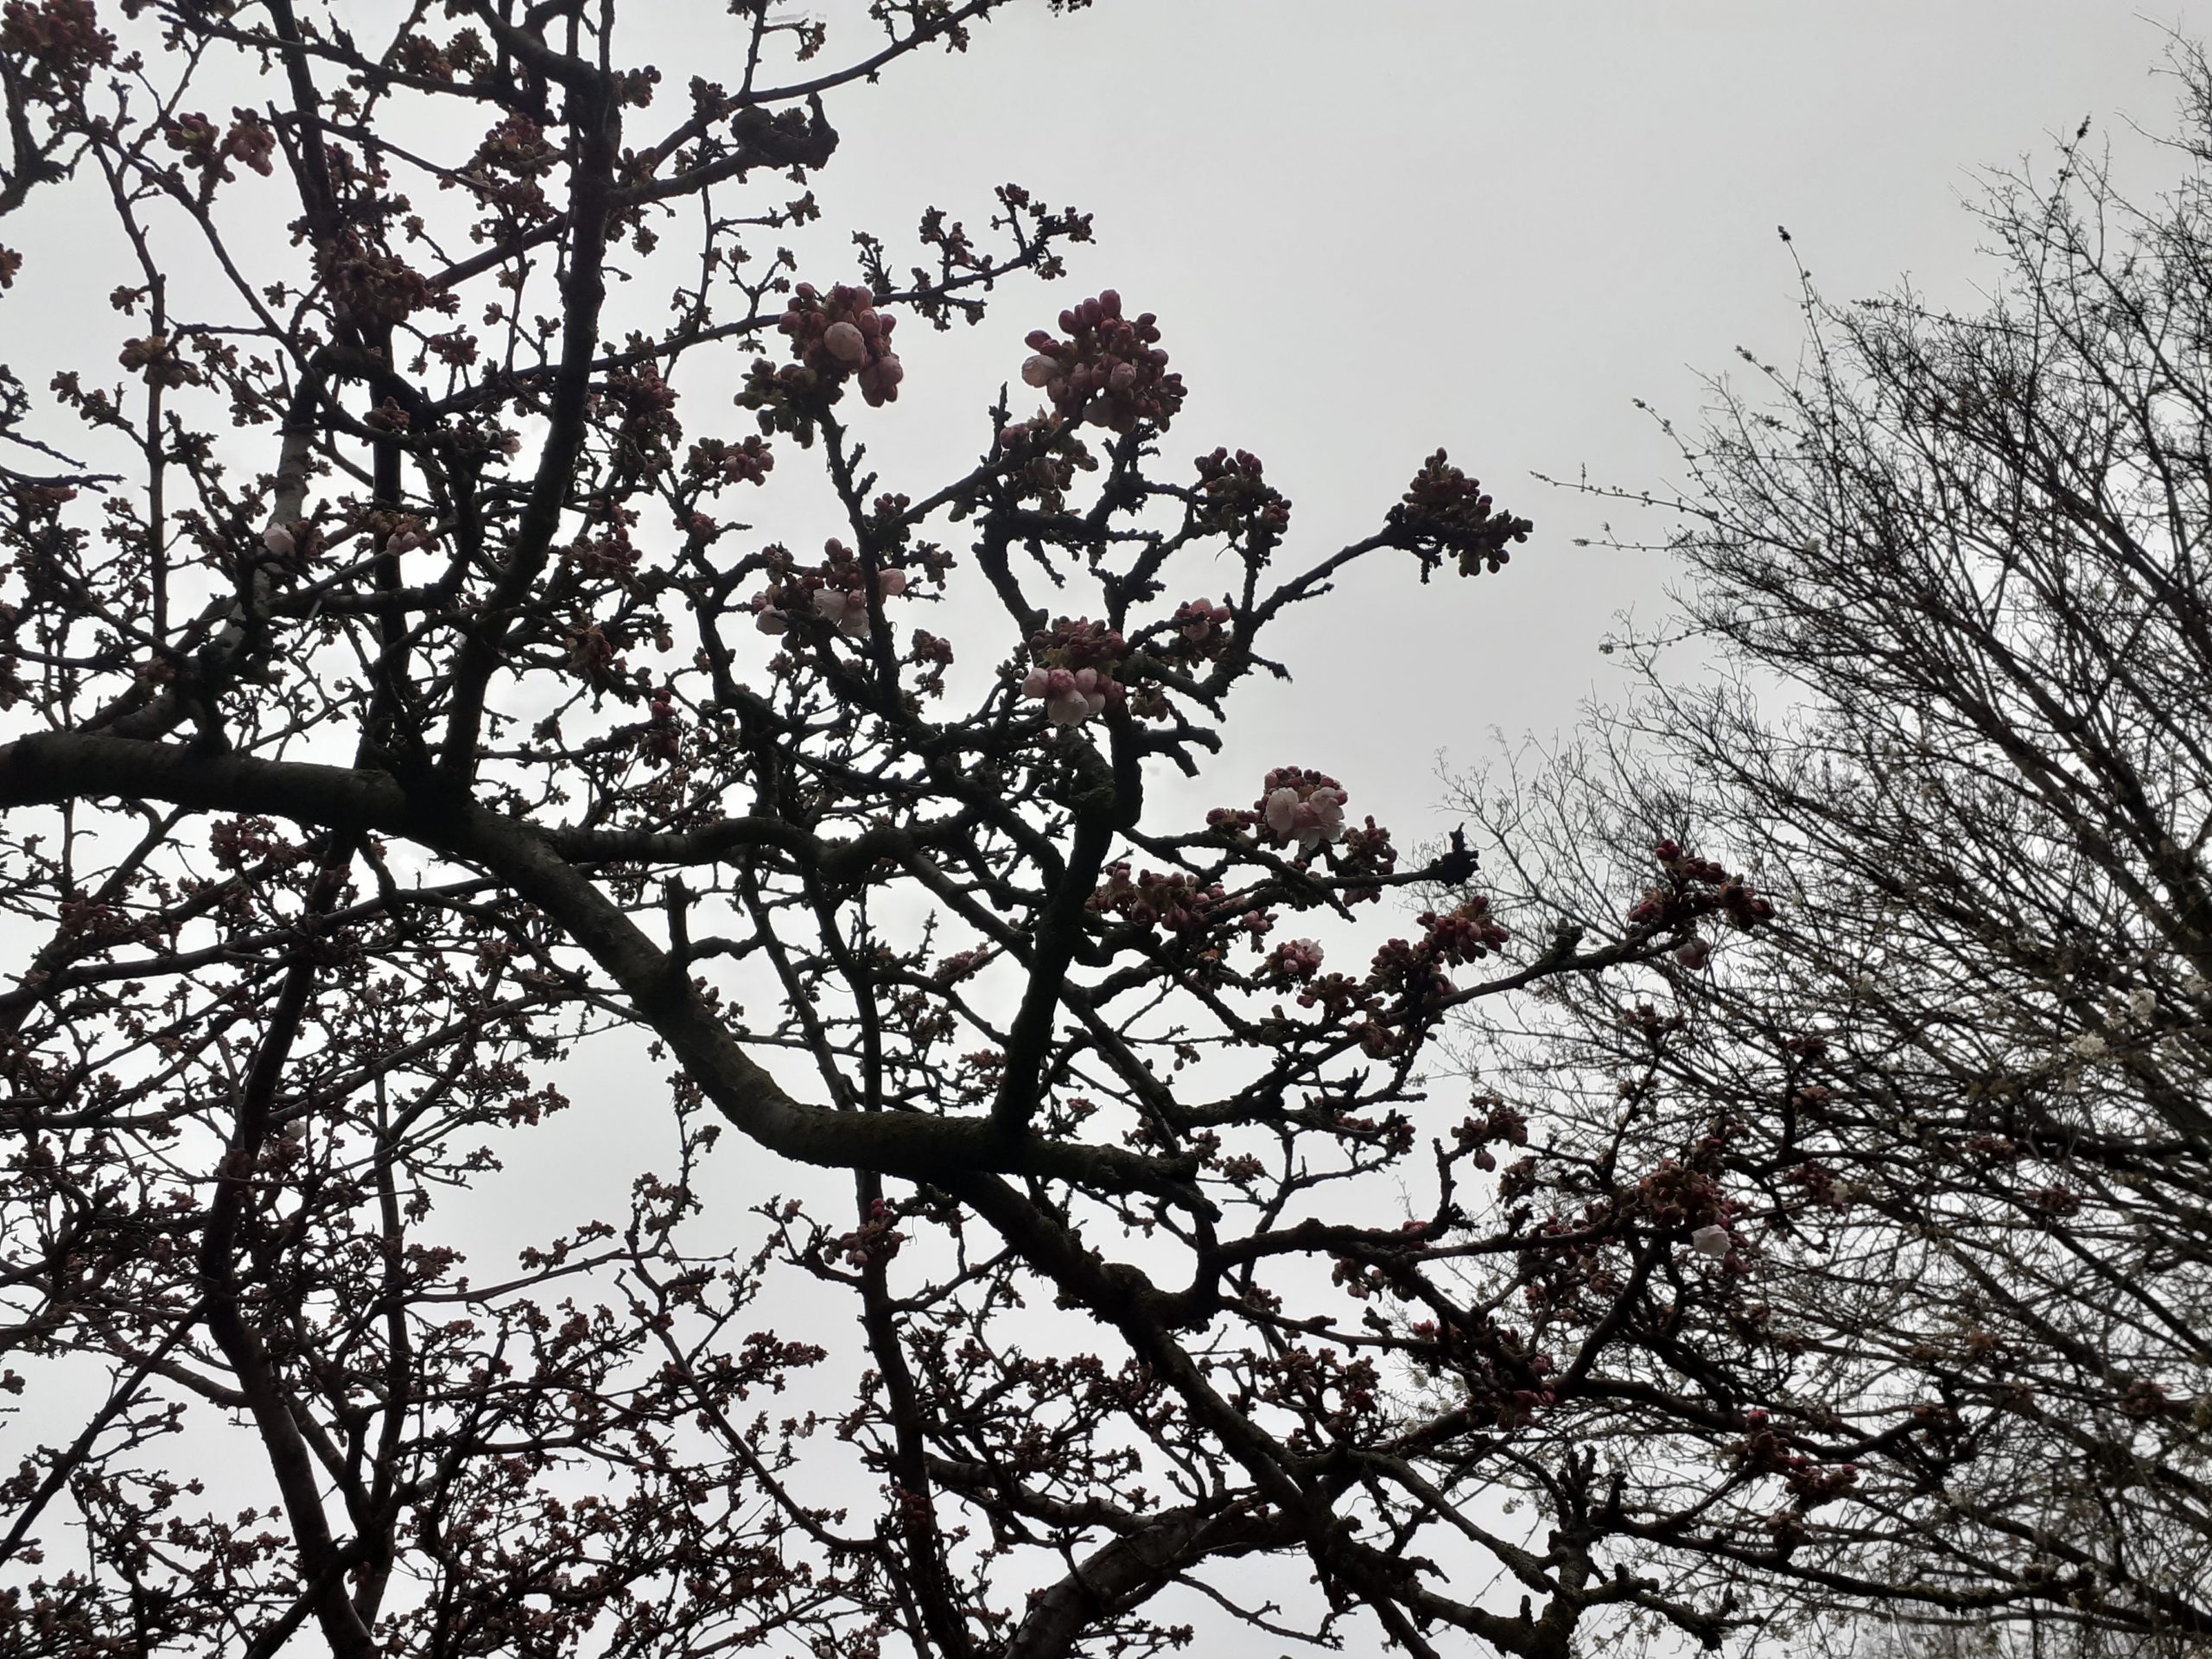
398, 700
1949, 575
467, 639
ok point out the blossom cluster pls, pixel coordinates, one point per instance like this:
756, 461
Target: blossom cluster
1463, 935
1109, 370
391, 532
59, 43
1151, 900
876, 1239
1499, 1123
715, 463
1696, 887
1500, 1369
1202, 629
663, 736
1294, 961
1043, 455
843, 333
249, 139
1236, 501
835, 591
1302, 806
1443, 508
1073, 672
648, 405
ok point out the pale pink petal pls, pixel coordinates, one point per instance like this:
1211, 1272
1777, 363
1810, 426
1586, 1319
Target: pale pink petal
846, 343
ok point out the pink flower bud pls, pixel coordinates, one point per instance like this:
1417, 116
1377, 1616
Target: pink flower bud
1061, 683
846, 343
1038, 370
771, 621
891, 583
1068, 708
1038, 683
278, 541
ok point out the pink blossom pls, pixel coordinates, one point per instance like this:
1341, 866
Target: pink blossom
278, 541
1074, 678
1318, 818
846, 343
847, 612
891, 583
1066, 703
1328, 806
1039, 371
879, 381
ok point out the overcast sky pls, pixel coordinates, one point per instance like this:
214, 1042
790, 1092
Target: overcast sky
1372, 229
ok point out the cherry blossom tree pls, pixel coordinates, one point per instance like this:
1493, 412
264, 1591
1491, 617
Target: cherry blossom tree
402, 709
1951, 571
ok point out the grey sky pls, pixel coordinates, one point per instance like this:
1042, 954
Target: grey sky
1372, 229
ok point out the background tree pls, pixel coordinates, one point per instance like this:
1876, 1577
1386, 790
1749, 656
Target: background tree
396, 705
1952, 574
